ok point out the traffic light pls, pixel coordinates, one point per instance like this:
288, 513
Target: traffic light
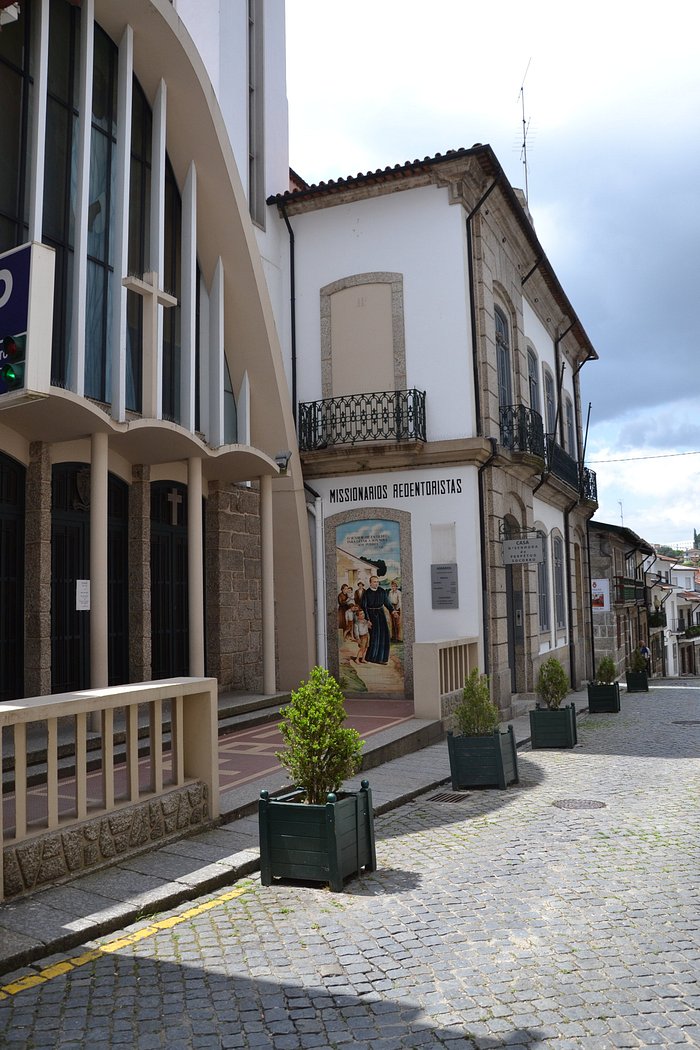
12, 361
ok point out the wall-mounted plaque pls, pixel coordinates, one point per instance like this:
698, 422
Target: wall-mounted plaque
443, 583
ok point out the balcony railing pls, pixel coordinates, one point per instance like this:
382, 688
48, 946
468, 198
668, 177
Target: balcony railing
522, 430
657, 618
589, 486
628, 590
561, 464
391, 415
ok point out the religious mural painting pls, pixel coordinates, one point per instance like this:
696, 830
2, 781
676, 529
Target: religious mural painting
370, 627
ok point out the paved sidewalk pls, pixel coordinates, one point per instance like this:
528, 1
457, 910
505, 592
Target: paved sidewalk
561, 914
98, 903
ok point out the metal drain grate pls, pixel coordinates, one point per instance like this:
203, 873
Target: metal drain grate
579, 803
685, 723
450, 796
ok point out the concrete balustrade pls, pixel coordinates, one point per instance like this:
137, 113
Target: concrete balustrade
97, 783
439, 671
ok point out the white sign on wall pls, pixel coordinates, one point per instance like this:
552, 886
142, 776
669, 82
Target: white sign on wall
524, 550
82, 595
600, 595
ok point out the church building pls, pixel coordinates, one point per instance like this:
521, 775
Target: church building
152, 511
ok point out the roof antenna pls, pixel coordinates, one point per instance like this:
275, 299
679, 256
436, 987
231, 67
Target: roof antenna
526, 128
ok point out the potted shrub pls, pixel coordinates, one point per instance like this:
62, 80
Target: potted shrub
604, 692
553, 725
315, 832
480, 754
636, 674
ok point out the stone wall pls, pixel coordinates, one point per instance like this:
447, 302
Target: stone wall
59, 855
233, 587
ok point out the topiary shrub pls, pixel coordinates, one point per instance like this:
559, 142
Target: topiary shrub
607, 671
321, 752
552, 683
476, 714
637, 662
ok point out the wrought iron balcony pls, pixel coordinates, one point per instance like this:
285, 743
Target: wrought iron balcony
657, 618
391, 415
522, 430
589, 485
561, 464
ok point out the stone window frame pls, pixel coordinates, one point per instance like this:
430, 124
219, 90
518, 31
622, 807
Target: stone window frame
397, 324
559, 624
544, 605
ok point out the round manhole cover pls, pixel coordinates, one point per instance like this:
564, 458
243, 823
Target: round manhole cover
579, 803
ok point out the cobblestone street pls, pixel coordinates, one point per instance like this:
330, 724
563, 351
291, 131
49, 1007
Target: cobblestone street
522, 918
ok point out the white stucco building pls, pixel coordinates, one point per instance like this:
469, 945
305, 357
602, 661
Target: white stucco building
436, 362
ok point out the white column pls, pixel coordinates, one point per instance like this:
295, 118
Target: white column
188, 304
215, 435
158, 226
121, 224
268, 587
38, 132
99, 654
195, 567
77, 352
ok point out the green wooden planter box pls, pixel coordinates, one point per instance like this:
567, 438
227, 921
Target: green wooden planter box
483, 761
553, 728
637, 681
325, 843
604, 698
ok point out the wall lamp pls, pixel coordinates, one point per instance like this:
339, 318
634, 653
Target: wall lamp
282, 460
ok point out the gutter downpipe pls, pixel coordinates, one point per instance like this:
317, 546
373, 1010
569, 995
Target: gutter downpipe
569, 601
315, 509
479, 422
482, 541
292, 310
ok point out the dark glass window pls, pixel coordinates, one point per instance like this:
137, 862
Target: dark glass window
505, 396
569, 422
533, 381
139, 242
549, 403
15, 87
230, 415
60, 181
100, 218
558, 554
172, 282
543, 591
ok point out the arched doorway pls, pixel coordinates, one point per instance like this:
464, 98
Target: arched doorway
515, 613
12, 482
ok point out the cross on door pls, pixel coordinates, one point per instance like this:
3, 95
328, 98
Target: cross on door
174, 499
153, 297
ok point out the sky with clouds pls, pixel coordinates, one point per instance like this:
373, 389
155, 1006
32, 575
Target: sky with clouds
612, 110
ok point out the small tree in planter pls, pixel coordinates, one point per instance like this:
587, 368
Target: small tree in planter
553, 725
604, 692
636, 674
481, 755
313, 832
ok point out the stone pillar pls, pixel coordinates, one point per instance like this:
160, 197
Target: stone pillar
233, 610
195, 581
99, 650
37, 573
140, 575
268, 586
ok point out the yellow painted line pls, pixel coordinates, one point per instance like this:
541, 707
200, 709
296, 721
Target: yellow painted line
23, 984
